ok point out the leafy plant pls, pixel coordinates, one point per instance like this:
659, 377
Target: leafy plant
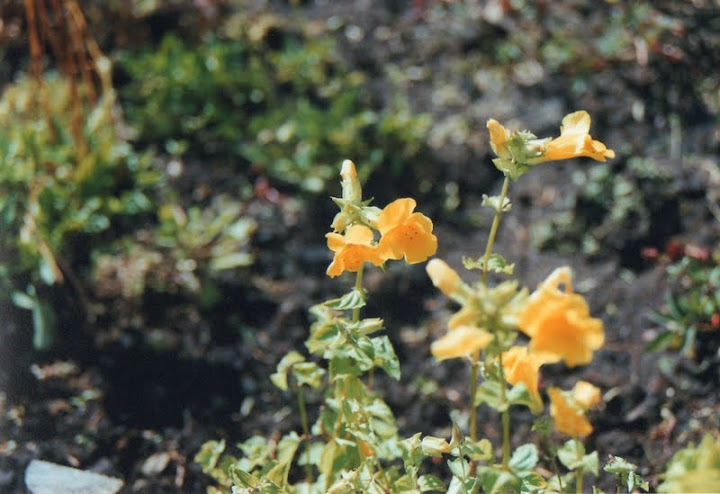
268, 96
692, 305
57, 196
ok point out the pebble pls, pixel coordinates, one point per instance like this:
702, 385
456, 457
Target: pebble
42, 477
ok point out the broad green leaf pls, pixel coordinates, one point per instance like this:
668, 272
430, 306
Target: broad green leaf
524, 458
385, 356
571, 454
481, 450
354, 299
489, 392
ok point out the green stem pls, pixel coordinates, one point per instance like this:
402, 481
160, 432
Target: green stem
579, 481
494, 228
505, 418
473, 393
358, 288
306, 433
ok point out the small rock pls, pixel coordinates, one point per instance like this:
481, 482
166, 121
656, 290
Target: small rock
42, 477
155, 464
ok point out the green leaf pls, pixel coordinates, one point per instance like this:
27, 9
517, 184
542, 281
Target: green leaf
494, 203
494, 479
279, 378
519, 395
489, 392
355, 299
209, 455
481, 450
385, 356
496, 264
571, 454
308, 373
429, 482
662, 341
524, 458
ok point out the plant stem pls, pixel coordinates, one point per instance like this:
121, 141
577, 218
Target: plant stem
358, 288
505, 418
579, 481
306, 433
473, 393
494, 228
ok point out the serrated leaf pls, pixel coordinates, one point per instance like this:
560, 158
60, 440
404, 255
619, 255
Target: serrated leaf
385, 356
354, 299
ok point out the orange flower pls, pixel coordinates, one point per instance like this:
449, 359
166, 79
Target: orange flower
568, 416
462, 341
574, 141
586, 395
405, 233
352, 250
559, 322
523, 367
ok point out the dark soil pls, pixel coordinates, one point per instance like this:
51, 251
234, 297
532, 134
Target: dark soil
143, 385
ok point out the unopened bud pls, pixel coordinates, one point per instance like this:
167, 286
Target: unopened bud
351, 189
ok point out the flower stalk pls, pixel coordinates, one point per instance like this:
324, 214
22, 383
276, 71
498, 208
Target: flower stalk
494, 228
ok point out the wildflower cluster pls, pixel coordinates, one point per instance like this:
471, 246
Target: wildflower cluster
403, 233
354, 444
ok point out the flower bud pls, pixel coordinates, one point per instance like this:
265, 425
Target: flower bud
351, 188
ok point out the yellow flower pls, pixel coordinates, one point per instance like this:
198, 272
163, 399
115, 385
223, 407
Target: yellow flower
559, 322
405, 233
574, 141
568, 417
586, 395
523, 367
498, 139
462, 341
352, 250
443, 277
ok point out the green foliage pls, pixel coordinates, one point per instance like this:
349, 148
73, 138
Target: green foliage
692, 306
184, 252
289, 109
624, 471
694, 468
58, 195
612, 210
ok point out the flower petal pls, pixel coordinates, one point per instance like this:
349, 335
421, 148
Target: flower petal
395, 213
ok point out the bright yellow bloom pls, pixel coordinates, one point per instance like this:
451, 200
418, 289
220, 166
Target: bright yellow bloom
352, 250
498, 139
523, 367
443, 276
575, 141
568, 417
586, 395
462, 341
559, 322
405, 233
